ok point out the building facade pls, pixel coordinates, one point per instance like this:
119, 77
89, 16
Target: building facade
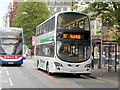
8, 18
13, 12
53, 5
58, 5
5, 20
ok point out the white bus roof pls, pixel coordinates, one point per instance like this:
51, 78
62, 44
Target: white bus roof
56, 14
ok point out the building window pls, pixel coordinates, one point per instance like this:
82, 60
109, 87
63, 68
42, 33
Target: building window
58, 9
52, 9
64, 8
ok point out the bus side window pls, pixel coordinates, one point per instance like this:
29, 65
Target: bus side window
52, 50
47, 50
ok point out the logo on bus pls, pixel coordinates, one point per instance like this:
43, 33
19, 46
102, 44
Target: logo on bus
11, 57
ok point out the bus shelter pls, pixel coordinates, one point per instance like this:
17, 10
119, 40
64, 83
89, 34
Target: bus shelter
109, 55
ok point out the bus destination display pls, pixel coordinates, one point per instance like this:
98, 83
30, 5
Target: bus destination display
72, 36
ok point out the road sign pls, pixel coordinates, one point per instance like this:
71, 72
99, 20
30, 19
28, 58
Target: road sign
33, 40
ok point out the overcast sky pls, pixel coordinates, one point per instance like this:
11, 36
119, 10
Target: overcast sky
3, 9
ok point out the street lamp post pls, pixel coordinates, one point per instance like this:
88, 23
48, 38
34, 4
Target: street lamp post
101, 47
25, 13
101, 42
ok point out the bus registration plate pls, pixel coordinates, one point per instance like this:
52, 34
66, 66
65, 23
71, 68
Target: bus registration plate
10, 62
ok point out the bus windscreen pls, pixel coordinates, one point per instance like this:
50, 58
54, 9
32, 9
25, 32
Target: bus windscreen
73, 37
11, 43
73, 21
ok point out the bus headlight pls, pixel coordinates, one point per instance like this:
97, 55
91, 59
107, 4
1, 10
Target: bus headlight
88, 66
58, 65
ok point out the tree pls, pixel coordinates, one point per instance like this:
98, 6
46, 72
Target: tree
29, 15
109, 11
74, 5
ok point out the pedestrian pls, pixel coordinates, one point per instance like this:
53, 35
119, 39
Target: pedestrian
92, 63
32, 53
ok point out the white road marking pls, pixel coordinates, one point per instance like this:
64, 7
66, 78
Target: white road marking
4, 68
7, 73
10, 82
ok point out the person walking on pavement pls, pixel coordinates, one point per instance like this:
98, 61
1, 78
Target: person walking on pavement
32, 53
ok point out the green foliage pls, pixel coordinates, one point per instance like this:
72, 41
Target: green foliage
74, 5
109, 11
29, 15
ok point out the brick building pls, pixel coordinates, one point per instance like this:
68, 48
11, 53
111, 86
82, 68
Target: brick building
13, 12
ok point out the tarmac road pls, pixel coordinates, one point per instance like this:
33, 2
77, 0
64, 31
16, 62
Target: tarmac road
27, 76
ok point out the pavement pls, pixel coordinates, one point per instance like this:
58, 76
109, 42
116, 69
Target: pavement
105, 75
